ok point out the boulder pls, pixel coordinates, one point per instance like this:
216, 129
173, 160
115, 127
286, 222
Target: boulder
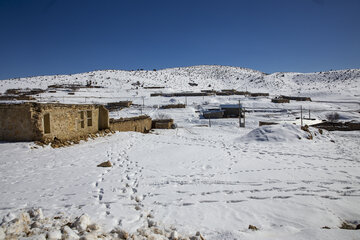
34, 237
36, 214
18, 226
105, 164
2, 234
252, 227
53, 235
121, 233
69, 234
82, 222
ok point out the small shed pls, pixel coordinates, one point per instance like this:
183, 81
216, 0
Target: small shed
213, 113
163, 123
231, 110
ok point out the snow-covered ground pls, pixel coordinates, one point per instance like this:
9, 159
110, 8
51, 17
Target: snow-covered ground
217, 180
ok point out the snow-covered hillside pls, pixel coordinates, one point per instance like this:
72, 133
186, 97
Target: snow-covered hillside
206, 77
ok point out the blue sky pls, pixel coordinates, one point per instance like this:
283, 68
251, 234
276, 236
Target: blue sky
40, 37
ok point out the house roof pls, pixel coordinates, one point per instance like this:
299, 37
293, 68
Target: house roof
230, 106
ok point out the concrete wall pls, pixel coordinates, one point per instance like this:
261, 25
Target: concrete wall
16, 123
137, 124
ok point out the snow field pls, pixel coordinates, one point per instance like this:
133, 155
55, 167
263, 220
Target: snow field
206, 181
217, 180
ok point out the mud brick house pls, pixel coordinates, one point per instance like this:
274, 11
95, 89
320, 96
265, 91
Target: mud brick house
231, 110
46, 121
163, 123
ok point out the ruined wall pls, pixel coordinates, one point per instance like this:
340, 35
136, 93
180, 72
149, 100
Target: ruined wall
68, 121
162, 123
280, 100
16, 122
137, 124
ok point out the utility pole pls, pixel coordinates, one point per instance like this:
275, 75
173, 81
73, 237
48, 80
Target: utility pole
244, 118
239, 115
142, 107
185, 101
301, 118
309, 113
209, 122
241, 110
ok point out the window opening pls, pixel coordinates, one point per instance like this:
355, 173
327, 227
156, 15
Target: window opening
89, 118
47, 123
82, 123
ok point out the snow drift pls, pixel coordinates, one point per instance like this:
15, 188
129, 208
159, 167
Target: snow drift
275, 133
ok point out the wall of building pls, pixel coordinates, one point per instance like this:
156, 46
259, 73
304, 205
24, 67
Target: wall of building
103, 118
137, 124
68, 121
162, 123
27, 121
16, 123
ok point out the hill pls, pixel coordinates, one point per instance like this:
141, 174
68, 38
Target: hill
195, 78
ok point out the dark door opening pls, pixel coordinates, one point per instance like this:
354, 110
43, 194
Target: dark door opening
47, 123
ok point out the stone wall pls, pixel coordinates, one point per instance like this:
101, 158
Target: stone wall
114, 106
69, 121
137, 124
16, 123
163, 123
280, 100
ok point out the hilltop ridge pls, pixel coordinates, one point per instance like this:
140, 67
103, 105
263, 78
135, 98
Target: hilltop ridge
205, 77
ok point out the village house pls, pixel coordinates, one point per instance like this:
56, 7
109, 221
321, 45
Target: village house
231, 110
47, 121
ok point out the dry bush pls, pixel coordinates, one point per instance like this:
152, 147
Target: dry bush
162, 116
333, 117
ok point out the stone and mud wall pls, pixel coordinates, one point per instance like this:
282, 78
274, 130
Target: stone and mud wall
41, 122
163, 123
137, 124
68, 121
16, 123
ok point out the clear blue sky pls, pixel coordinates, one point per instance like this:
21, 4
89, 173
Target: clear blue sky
39, 37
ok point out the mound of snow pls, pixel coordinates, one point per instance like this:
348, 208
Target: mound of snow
275, 133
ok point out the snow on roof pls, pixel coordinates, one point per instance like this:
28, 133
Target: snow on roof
230, 105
